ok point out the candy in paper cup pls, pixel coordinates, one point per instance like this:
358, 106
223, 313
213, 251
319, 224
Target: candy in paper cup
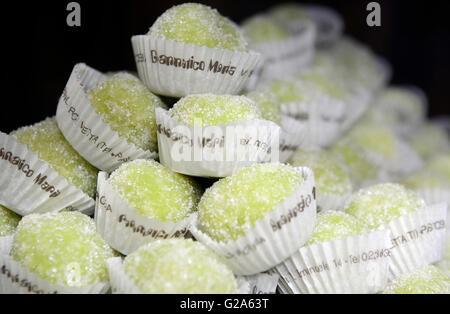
123, 228
291, 136
121, 283
287, 56
417, 239
30, 185
322, 119
16, 279
328, 22
434, 195
177, 69
215, 151
274, 237
354, 264
331, 201
84, 128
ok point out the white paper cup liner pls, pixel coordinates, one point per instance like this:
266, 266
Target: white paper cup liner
355, 264
30, 185
331, 201
321, 120
291, 136
417, 239
262, 283
272, 238
121, 283
178, 69
216, 151
85, 130
329, 24
15, 279
435, 195
123, 228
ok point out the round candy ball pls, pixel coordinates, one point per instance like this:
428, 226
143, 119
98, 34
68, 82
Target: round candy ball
155, 191
286, 90
8, 221
260, 28
198, 24
233, 204
128, 107
381, 203
334, 224
323, 83
330, 176
63, 248
268, 104
209, 109
179, 266
429, 140
425, 179
46, 140
440, 164
425, 280
374, 138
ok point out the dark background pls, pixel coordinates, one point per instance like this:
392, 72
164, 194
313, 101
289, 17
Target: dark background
39, 49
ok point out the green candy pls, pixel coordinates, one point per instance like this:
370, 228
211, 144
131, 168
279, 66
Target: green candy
8, 221
425, 179
333, 225
178, 266
209, 109
63, 248
381, 203
198, 24
440, 164
429, 140
425, 280
155, 191
285, 90
260, 29
46, 140
268, 104
128, 107
233, 204
374, 138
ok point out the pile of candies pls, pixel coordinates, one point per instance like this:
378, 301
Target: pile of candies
266, 157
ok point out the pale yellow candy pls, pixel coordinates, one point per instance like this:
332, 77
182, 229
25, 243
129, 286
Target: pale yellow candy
333, 225
47, 141
128, 107
324, 83
379, 204
209, 109
288, 12
425, 280
154, 190
374, 138
262, 28
8, 221
179, 266
198, 24
440, 164
429, 140
233, 204
426, 179
63, 248
268, 104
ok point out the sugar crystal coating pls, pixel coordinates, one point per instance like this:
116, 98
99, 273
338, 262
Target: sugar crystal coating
46, 140
64, 248
323, 83
154, 190
262, 28
268, 104
179, 266
374, 138
332, 225
285, 90
128, 107
329, 175
209, 109
359, 167
8, 221
425, 280
198, 24
381, 203
233, 204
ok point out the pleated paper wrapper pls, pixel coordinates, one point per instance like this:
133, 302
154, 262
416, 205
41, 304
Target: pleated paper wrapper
15, 279
355, 264
30, 185
329, 24
215, 151
177, 69
84, 128
262, 283
274, 237
291, 136
123, 228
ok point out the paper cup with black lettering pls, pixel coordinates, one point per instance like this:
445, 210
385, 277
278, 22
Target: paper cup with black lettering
177, 69
123, 228
291, 136
30, 185
84, 128
262, 283
215, 151
355, 264
274, 237
417, 239
16, 279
